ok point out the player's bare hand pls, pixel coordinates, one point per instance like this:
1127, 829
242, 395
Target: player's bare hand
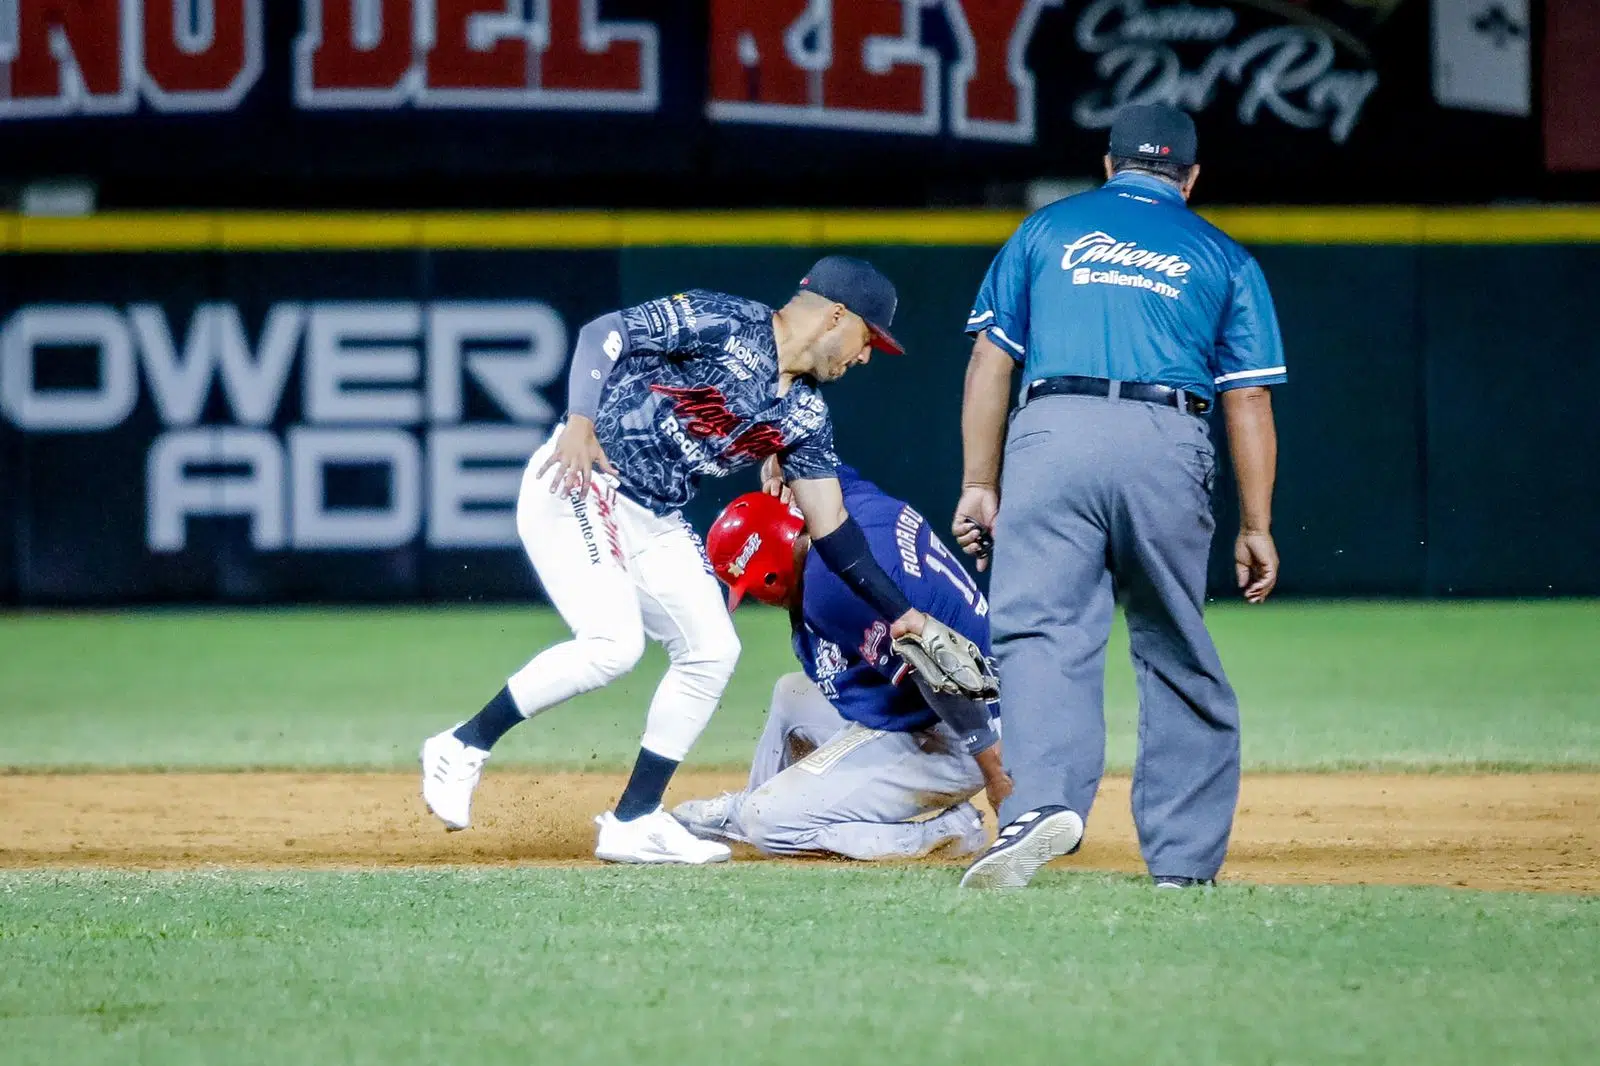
1255, 564
908, 624
772, 482
973, 527
576, 456
997, 789
996, 782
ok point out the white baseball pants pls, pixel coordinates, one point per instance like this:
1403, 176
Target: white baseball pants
618, 573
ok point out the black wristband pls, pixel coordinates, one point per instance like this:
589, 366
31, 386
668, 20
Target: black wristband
847, 554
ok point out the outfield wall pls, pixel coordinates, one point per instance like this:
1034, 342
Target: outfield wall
263, 408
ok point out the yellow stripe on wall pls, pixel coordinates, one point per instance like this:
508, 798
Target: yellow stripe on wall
288, 231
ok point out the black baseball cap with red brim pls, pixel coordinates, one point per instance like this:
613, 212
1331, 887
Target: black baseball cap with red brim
863, 289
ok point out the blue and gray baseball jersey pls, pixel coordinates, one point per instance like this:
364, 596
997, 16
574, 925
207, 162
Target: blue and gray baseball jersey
844, 644
694, 393
1126, 283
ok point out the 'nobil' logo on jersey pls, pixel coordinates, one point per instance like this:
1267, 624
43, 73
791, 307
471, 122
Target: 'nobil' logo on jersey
744, 362
1098, 247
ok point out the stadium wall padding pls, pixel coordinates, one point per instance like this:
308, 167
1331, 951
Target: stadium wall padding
1440, 434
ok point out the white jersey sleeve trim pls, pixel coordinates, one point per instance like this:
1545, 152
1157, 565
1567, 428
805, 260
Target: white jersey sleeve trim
1242, 375
976, 319
1000, 334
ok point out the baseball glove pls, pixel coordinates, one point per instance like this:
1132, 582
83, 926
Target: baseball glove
948, 661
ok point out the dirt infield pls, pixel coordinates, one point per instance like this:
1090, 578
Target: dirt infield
1523, 831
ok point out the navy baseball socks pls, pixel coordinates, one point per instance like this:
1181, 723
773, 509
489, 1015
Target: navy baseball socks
646, 785
484, 729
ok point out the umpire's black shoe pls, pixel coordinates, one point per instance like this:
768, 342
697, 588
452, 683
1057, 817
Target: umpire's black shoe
1183, 882
1035, 838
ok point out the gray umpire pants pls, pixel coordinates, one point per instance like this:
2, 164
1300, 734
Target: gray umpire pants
1104, 499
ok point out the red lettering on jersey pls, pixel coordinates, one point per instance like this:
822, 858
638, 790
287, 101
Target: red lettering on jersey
208, 62
878, 62
750, 57
90, 29
584, 53
991, 87
757, 442
469, 55
704, 409
351, 66
608, 522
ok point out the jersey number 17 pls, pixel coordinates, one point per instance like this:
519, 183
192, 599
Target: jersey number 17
942, 560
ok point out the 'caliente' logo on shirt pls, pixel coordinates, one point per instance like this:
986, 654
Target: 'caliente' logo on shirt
1098, 247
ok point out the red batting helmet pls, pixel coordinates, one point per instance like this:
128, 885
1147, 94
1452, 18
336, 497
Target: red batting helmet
751, 548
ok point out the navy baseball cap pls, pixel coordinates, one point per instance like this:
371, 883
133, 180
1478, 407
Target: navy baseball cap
1153, 131
863, 289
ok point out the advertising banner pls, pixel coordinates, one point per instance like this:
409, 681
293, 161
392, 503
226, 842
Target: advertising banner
1296, 99
351, 424
325, 425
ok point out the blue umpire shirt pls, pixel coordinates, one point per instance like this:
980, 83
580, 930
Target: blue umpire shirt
1126, 283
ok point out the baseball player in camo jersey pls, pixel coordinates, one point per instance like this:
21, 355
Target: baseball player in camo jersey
660, 395
856, 746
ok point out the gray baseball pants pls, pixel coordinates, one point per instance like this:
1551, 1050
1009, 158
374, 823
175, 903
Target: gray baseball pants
1102, 500
821, 784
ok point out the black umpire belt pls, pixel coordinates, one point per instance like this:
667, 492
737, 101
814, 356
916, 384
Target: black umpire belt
1070, 385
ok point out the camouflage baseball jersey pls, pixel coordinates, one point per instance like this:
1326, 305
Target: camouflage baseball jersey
697, 395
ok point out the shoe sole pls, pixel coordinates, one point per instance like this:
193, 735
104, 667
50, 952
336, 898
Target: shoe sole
662, 860
1013, 867
716, 836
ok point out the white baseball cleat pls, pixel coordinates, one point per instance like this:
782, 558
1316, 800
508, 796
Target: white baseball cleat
450, 771
711, 819
1036, 837
654, 838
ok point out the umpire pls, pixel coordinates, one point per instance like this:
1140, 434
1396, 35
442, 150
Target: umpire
1130, 315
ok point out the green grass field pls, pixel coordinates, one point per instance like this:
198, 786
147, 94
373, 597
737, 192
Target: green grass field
772, 963
1323, 686
768, 964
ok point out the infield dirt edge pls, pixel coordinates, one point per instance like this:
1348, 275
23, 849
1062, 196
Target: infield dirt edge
1525, 832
